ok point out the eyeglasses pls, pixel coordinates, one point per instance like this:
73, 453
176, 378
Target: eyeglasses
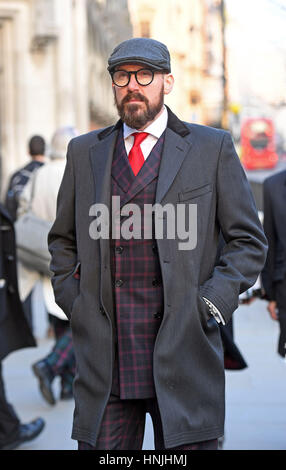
143, 77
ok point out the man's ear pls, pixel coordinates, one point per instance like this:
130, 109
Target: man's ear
168, 83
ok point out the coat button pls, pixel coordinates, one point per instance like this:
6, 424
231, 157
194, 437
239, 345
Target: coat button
157, 315
119, 283
170, 385
155, 282
11, 289
119, 250
10, 257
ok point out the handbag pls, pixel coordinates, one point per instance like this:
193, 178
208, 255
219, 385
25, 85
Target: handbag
32, 240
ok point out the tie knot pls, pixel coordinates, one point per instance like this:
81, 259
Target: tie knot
139, 137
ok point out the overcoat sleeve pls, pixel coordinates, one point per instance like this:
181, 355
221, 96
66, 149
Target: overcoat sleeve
62, 241
244, 252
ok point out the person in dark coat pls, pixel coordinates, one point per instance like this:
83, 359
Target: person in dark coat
146, 306
274, 272
15, 333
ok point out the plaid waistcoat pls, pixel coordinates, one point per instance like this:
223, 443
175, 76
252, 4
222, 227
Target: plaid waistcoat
137, 279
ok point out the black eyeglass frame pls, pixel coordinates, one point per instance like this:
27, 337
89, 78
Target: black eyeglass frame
135, 73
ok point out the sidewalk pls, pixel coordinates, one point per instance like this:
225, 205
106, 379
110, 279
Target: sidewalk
255, 397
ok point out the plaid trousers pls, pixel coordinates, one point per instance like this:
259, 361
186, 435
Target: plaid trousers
123, 427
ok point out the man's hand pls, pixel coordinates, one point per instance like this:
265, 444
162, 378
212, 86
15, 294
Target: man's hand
272, 309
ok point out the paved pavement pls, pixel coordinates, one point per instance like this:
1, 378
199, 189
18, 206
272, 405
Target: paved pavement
255, 397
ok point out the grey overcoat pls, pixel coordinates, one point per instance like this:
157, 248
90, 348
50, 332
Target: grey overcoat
199, 166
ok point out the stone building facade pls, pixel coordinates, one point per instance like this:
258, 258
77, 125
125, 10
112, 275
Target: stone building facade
41, 41
53, 57
53, 69
192, 32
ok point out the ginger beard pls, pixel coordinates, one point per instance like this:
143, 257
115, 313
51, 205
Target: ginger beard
137, 115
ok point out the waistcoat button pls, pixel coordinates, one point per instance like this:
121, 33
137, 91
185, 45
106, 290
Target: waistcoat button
157, 315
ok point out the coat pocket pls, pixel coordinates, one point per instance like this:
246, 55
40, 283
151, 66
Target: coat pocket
66, 291
197, 192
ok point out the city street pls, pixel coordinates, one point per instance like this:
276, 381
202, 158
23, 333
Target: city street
255, 397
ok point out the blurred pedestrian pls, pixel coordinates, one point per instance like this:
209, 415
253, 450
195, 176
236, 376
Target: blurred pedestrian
37, 149
40, 194
145, 310
60, 362
15, 333
274, 273
20, 178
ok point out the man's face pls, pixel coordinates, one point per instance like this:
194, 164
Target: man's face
139, 105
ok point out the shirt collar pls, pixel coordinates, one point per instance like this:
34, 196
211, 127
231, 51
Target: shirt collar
156, 128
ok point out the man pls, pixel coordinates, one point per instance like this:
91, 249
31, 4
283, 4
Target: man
274, 272
15, 334
144, 337
19, 179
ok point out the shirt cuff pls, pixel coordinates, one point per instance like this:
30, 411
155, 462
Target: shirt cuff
215, 312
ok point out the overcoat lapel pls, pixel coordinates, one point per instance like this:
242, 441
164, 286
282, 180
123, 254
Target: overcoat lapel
101, 155
121, 170
174, 152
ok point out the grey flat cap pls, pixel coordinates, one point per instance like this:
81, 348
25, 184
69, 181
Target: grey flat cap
143, 51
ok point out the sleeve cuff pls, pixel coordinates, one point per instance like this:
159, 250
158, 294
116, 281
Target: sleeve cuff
215, 312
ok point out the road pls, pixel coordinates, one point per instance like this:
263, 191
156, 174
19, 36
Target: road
255, 397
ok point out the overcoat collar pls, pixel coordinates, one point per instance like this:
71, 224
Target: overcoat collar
174, 123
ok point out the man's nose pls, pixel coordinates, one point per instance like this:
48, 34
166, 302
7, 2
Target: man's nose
133, 85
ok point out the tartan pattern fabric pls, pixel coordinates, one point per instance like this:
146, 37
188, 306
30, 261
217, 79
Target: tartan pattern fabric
137, 278
61, 360
123, 427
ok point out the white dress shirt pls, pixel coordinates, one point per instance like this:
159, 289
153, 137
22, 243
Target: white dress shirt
155, 130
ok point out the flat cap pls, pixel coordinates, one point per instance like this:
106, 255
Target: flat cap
143, 51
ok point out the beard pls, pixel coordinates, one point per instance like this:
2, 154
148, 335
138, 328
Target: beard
135, 115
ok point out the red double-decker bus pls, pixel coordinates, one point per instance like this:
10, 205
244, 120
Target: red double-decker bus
258, 144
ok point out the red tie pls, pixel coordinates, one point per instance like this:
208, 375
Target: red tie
136, 158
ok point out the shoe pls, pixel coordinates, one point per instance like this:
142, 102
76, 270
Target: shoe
27, 432
66, 392
45, 376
